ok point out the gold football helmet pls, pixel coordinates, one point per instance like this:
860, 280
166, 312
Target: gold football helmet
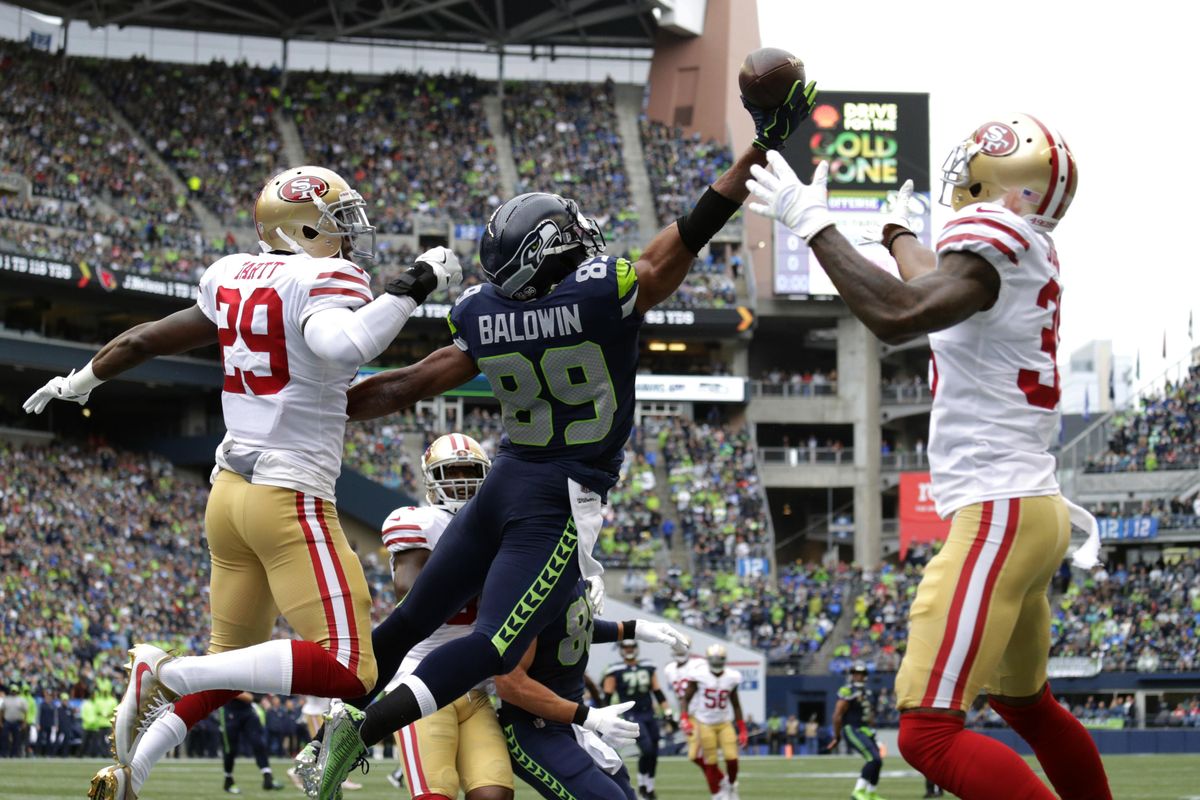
313, 210
1015, 153
716, 658
470, 465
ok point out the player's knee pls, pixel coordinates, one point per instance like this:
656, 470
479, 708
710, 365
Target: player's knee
506, 659
490, 793
925, 738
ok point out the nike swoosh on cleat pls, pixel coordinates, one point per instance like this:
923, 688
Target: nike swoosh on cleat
143, 668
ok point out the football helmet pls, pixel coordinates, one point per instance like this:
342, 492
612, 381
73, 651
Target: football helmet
858, 673
452, 490
535, 240
313, 210
716, 658
681, 653
1017, 152
629, 649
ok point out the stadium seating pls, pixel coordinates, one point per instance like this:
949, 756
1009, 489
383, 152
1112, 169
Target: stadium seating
1163, 434
415, 146
99, 546
681, 168
564, 140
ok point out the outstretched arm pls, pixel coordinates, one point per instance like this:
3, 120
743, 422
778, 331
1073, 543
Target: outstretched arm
182, 331
961, 285
387, 392
524, 692
666, 261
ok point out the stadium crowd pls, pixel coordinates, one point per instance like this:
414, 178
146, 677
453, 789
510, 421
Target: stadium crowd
414, 145
681, 168
1164, 433
564, 140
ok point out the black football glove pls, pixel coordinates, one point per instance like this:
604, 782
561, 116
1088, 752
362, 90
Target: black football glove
772, 126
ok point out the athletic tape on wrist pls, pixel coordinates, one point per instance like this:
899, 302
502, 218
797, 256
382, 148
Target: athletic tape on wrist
711, 213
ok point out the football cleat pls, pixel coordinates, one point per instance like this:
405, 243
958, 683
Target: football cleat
342, 749
731, 793
231, 787
305, 774
860, 794
396, 777
269, 783
113, 782
145, 699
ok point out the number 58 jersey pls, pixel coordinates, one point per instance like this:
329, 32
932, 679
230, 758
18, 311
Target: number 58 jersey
711, 704
994, 376
562, 366
284, 408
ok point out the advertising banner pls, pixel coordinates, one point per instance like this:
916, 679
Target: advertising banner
1117, 528
919, 523
873, 141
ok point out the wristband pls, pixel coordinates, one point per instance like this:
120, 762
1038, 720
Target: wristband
712, 211
628, 629
416, 282
741, 724
83, 381
581, 713
888, 241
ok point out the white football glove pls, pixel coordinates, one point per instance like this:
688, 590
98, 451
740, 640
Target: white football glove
660, 633
898, 212
804, 208
595, 593
445, 266
608, 724
57, 388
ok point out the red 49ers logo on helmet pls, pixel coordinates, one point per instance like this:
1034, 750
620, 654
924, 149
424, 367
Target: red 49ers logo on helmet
997, 139
301, 189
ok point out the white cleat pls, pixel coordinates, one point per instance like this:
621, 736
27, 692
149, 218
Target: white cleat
145, 697
723, 788
113, 782
731, 792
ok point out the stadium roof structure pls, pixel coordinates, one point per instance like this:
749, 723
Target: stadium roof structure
497, 23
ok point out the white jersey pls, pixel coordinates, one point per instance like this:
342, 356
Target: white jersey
711, 703
285, 408
676, 675
421, 528
994, 376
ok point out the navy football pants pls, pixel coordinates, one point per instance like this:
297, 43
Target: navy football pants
647, 742
239, 720
552, 762
514, 545
863, 741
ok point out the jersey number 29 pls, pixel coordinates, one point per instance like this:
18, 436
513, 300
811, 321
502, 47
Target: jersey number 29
240, 319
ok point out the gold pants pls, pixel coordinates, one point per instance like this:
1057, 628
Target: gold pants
275, 550
981, 617
459, 746
717, 737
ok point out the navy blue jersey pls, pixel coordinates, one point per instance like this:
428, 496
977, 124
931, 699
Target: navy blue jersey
633, 683
562, 366
861, 709
562, 648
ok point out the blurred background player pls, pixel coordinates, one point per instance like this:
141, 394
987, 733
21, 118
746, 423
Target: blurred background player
988, 297
555, 330
854, 715
241, 720
717, 712
634, 679
676, 672
461, 745
543, 715
271, 523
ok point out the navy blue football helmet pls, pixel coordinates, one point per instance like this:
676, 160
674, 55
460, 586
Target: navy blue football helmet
535, 240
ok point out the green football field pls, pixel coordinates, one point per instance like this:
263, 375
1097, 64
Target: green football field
1132, 777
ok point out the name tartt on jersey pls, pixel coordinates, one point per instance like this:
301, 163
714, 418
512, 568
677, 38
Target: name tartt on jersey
541, 323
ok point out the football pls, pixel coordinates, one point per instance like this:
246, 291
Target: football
767, 75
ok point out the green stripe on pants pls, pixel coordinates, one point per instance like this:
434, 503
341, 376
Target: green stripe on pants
536, 594
858, 744
532, 768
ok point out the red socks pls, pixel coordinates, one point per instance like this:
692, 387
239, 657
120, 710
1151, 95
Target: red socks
714, 777
192, 708
732, 768
1062, 745
966, 764
316, 672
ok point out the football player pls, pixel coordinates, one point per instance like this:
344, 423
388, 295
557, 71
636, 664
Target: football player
854, 715
237, 718
293, 324
461, 745
676, 673
560, 747
634, 679
717, 712
988, 296
555, 330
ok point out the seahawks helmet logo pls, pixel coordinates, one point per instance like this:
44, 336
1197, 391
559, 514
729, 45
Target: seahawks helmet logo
545, 239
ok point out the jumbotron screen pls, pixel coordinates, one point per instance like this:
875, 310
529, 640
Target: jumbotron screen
873, 141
